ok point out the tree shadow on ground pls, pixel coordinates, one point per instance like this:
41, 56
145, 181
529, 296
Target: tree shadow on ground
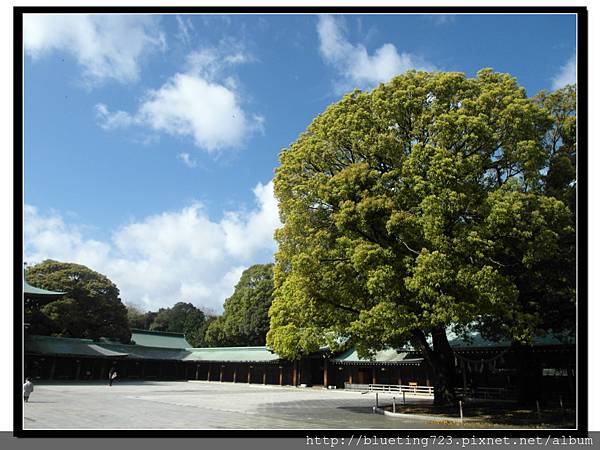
357, 409
509, 414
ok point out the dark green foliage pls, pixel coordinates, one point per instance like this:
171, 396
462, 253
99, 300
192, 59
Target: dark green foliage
91, 307
138, 319
200, 335
181, 318
245, 320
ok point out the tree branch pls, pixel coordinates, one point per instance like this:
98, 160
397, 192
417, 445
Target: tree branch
330, 302
410, 249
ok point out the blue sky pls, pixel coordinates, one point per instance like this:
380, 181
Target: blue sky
151, 141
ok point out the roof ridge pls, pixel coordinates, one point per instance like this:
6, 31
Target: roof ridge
254, 347
157, 333
43, 336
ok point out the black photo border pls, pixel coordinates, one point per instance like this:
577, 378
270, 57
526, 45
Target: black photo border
582, 219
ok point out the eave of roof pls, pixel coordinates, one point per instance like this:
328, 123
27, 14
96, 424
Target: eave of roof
232, 354
57, 346
31, 291
388, 357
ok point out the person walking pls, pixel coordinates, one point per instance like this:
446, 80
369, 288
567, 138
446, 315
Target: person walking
112, 374
27, 389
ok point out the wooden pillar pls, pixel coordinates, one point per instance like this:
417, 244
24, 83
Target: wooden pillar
52, 369
197, 371
326, 372
208, 375
249, 373
160, 370
295, 373
234, 374
399, 369
102, 370
427, 377
78, 370
221, 374
374, 375
265, 375
280, 376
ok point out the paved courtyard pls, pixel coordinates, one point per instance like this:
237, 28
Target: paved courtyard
204, 405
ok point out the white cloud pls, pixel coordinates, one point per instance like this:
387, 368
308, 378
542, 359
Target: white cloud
187, 160
105, 46
111, 120
246, 232
189, 105
353, 62
168, 257
567, 74
50, 235
185, 29
202, 104
443, 19
211, 62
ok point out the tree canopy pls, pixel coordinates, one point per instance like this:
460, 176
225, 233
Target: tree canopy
433, 203
91, 307
245, 319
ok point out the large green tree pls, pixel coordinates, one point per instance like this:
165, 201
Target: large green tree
419, 208
91, 307
245, 319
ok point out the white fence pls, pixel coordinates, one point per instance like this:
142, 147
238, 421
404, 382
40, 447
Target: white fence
392, 388
486, 393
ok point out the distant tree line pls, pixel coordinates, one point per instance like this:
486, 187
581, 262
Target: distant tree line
92, 308
244, 322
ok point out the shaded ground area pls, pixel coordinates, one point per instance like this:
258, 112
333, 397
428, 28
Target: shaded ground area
482, 414
204, 405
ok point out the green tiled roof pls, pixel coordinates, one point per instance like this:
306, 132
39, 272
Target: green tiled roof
384, 356
30, 290
50, 345
475, 340
143, 352
159, 339
232, 354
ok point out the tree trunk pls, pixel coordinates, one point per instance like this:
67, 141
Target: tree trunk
527, 372
440, 357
